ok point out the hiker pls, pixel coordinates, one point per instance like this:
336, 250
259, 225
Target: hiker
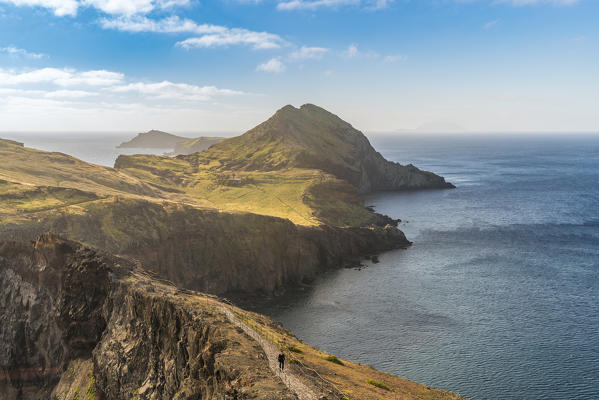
281, 361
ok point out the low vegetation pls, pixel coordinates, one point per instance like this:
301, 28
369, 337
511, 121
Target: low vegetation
294, 349
33, 181
351, 379
378, 384
334, 360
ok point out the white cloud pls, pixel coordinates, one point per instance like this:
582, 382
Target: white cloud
394, 58
172, 24
15, 51
38, 99
234, 36
102, 83
69, 94
174, 91
351, 51
60, 77
305, 53
210, 35
93, 78
273, 65
59, 7
166, 4
491, 24
315, 4
125, 7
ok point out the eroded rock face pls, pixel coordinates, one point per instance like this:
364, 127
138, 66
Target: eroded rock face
217, 252
52, 295
73, 317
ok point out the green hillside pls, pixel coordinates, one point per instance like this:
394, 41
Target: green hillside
313, 138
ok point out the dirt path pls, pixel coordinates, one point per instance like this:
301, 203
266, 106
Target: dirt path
291, 381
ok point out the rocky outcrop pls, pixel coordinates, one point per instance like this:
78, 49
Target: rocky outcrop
217, 252
362, 166
52, 298
77, 321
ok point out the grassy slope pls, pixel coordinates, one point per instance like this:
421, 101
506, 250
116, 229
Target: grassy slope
16, 198
34, 181
355, 381
290, 134
198, 144
268, 159
41, 168
287, 193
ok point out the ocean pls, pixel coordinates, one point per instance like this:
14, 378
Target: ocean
93, 147
498, 298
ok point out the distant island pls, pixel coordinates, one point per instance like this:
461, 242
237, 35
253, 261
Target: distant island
180, 145
153, 140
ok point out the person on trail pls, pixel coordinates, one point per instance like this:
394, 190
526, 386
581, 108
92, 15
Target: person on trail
281, 361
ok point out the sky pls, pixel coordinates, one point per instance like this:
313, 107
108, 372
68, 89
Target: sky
227, 65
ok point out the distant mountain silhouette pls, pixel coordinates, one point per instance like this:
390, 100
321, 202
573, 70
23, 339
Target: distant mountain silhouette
153, 140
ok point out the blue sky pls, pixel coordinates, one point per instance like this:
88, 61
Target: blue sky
225, 65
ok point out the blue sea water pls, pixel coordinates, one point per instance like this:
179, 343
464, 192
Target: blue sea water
498, 298
94, 147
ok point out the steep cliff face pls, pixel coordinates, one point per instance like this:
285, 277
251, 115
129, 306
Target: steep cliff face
216, 252
65, 307
52, 299
81, 324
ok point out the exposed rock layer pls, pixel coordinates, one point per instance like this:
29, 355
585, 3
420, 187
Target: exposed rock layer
217, 252
66, 306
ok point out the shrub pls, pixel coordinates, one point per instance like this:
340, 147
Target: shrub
379, 385
294, 349
334, 359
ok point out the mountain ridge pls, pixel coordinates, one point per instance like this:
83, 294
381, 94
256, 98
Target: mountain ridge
311, 137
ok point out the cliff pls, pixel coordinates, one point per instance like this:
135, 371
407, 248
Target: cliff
153, 140
66, 306
197, 224
194, 228
210, 251
82, 324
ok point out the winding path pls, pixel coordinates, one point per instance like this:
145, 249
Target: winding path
288, 377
